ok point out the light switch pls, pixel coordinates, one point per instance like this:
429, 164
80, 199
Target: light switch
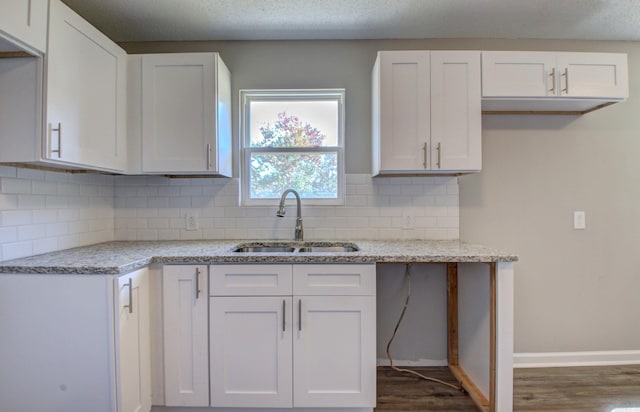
579, 220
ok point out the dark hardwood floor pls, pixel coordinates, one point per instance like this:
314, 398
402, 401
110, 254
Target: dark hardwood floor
584, 389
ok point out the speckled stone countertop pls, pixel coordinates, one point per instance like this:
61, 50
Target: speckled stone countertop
122, 257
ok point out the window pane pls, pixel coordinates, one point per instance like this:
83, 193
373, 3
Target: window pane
293, 123
312, 175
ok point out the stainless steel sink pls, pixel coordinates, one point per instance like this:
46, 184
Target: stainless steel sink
264, 249
296, 247
328, 249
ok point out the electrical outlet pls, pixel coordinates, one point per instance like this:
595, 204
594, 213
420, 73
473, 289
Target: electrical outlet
408, 222
579, 220
192, 221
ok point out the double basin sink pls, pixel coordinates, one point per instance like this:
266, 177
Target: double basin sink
295, 247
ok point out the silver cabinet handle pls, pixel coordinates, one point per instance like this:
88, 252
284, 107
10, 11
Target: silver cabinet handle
130, 305
208, 156
59, 131
424, 149
299, 315
284, 315
565, 74
439, 149
553, 81
197, 283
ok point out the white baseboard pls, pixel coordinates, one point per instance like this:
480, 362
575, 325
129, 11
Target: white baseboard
409, 363
560, 359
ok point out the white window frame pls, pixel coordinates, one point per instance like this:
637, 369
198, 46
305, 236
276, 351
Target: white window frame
249, 95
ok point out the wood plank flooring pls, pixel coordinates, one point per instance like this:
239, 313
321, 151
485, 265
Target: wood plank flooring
588, 388
584, 389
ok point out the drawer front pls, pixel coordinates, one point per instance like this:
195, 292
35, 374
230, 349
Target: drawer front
250, 280
330, 279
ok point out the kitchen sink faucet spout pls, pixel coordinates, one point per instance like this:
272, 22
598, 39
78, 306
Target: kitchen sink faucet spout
299, 235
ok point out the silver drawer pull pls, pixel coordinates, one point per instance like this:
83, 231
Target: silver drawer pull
59, 131
197, 283
130, 286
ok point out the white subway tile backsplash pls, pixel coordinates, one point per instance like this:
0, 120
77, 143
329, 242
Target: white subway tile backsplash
30, 232
30, 174
40, 187
17, 186
16, 250
45, 245
8, 171
8, 234
57, 229
16, 217
46, 211
8, 202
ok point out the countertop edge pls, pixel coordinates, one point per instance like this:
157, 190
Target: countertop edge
162, 253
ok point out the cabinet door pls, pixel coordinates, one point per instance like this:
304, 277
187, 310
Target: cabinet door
251, 342
132, 350
86, 93
186, 339
519, 74
404, 110
179, 112
456, 125
25, 21
334, 351
593, 75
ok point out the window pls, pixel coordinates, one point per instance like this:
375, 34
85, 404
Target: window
292, 139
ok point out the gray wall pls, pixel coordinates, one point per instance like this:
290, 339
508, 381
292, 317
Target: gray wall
574, 290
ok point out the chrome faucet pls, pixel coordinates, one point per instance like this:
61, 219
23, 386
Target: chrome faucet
299, 235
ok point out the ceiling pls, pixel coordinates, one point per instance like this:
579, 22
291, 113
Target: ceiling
158, 20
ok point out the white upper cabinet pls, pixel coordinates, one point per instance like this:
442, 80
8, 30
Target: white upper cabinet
456, 111
181, 113
86, 94
552, 81
426, 112
24, 21
401, 111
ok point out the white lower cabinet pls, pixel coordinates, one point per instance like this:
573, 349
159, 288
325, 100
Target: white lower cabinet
74, 343
133, 362
251, 347
300, 336
186, 350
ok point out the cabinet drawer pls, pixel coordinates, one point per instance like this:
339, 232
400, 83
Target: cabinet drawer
330, 279
250, 280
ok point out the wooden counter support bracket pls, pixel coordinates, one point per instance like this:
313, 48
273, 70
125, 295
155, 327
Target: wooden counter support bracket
483, 404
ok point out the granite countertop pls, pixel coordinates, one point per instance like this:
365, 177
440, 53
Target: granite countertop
122, 257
